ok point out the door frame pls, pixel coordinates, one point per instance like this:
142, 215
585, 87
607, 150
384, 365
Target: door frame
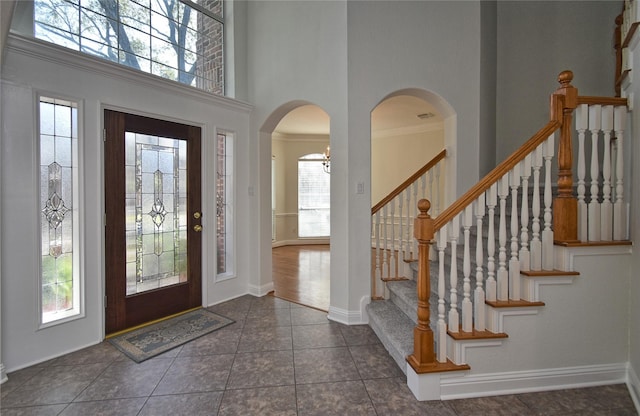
194, 292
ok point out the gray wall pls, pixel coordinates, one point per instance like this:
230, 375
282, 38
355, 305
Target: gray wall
536, 40
488, 53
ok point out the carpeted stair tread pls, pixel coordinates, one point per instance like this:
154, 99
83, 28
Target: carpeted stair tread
394, 329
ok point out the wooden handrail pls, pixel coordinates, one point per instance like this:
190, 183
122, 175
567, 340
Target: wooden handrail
497, 173
404, 185
602, 100
558, 102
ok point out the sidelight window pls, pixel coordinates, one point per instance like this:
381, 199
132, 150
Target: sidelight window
59, 217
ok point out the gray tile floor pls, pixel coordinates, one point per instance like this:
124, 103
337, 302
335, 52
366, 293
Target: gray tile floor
278, 358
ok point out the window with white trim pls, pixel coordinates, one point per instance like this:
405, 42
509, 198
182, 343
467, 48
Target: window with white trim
314, 197
225, 249
181, 40
59, 203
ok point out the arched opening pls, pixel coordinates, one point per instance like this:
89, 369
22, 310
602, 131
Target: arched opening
300, 204
410, 130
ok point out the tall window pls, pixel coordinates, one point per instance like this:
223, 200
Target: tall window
181, 40
59, 196
224, 206
314, 194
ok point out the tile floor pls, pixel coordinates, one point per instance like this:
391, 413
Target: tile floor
278, 358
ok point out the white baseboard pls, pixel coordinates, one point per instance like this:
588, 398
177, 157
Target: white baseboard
260, 291
633, 383
303, 242
344, 316
461, 386
3, 374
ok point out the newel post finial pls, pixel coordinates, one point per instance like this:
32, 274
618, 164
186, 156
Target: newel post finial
423, 356
565, 212
565, 78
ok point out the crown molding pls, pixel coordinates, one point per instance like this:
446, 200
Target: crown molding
59, 55
288, 137
405, 131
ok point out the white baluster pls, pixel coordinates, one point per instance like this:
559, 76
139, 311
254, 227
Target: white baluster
619, 211
479, 296
514, 262
393, 253
414, 187
503, 273
525, 256
492, 201
402, 237
437, 202
423, 185
409, 223
454, 316
377, 289
430, 189
429, 177
441, 238
536, 245
606, 208
385, 253
582, 122
467, 306
547, 232
595, 114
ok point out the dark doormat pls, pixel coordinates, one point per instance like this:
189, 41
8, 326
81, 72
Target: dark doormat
149, 341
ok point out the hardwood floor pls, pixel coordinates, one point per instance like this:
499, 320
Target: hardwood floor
301, 274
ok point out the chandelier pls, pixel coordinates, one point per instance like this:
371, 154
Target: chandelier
326, 160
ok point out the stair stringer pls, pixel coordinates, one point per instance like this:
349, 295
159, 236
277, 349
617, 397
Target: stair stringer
590, 310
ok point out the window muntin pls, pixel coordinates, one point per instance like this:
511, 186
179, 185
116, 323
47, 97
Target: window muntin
314, 197
179, 40
59, 217
225, 249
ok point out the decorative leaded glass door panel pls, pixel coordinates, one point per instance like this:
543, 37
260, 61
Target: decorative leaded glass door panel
153, 219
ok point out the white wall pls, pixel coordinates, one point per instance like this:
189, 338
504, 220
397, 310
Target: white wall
297, 54
96, 84
347, 57
536, 40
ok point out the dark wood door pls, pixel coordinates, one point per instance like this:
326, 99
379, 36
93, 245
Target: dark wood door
153, 242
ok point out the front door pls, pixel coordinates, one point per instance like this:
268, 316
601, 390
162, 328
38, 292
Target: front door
153, 243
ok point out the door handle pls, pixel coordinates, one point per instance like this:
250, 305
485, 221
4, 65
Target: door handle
197, 228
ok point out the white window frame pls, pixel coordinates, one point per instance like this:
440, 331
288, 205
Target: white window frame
78, 310
230, 202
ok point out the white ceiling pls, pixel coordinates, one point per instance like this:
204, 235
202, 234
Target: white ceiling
393, 113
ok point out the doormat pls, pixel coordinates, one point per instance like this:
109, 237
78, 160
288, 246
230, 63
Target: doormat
149, 341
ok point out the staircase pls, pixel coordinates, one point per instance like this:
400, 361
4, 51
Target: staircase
511, 244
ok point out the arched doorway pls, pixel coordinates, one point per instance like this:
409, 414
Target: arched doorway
300, 195
411, 130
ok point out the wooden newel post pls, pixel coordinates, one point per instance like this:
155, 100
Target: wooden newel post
565, 205
423, 355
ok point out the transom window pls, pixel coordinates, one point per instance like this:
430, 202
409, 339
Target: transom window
181, 40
